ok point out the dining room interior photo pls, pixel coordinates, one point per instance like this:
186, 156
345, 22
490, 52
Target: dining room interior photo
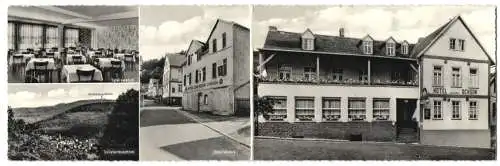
72, 44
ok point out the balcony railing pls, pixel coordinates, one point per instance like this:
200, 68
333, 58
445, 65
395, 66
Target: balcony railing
341, 82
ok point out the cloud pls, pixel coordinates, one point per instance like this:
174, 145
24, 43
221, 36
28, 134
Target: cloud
56, 93
23, 98
174, 36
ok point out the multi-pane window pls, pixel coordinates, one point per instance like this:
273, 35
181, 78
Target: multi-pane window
456, 80
455, 112
381, 109
203, 73
179, 86
473, 78
404, 49
31, 36
437, 112
337, 74
52, 37
452, 43
214, 45
356, 109
184, 80
331, 109
224, 40
368, 47
71, 38
214, 70
438, 76
473, 111
309, 73
461, 44
11, 35
224, 66
196, 76
307, 44
279, 109
189, 78
173, 90
304, 108
205, 99
285, 72
391, 49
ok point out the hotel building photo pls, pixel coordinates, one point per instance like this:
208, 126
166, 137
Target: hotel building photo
216, 72
432, 92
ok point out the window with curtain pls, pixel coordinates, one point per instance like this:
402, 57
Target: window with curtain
304, 108
52, 37
11, 35
71, 37
30, 36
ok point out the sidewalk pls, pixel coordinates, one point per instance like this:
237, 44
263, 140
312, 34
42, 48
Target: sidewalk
234, 127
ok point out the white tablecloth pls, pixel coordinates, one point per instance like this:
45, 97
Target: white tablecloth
69, 58
106, 62
25, 57
122, 57
68, 72
31, 64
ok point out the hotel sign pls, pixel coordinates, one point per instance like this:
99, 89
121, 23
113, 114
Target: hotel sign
202, 85
442, 90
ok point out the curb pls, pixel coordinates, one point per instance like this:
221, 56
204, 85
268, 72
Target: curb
195, 118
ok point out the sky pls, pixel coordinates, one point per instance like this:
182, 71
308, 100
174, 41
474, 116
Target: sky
170, 29
36, 95
381, 22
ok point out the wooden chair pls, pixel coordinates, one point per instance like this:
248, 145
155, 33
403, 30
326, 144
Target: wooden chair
41, 72
77, 60
129, 61
115, 71
18, 65
85, 73
50, 55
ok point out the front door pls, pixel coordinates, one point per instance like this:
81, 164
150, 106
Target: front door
405, 109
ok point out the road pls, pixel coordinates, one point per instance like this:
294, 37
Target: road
168, 133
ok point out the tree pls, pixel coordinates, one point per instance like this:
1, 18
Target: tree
262, 105
122, 131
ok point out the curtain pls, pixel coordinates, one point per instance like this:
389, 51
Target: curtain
10, 35
31, 36
71, 38
52, 37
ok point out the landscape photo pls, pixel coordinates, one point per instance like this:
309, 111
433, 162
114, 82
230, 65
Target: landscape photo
73, 122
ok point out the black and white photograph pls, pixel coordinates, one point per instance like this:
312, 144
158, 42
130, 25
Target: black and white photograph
195, 83
73, 122
72, 44
374, 82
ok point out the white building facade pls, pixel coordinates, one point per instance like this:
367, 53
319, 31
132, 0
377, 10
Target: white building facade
172, 79
215, 73
344, 88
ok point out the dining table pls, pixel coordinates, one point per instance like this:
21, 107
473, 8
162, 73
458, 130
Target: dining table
69, 75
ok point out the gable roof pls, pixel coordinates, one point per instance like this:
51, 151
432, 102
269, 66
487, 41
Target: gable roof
291, 41
424, 44
193, 42
224, 21
175, 59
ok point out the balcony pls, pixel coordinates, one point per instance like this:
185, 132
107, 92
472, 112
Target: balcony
340, 70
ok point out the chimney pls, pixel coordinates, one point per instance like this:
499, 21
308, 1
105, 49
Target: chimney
341, 32
273, 28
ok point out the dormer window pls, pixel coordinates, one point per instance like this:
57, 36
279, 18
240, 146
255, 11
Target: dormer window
368, 47
308, 44
308, 40
391, 49
404, 48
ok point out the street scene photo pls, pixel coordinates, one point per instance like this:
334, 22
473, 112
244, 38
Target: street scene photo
73, 122
72, 44
195, 83
374, 82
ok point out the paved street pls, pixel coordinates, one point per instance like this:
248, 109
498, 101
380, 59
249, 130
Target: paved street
168, 133
301, 149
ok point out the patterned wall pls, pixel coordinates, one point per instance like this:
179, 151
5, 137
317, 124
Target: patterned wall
121, 37
85, 37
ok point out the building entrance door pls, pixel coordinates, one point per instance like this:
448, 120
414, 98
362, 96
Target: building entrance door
405, 124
